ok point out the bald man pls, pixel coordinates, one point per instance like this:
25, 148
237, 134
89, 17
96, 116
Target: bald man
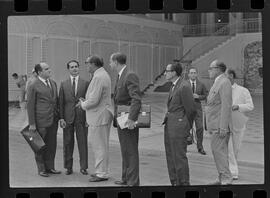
42, 108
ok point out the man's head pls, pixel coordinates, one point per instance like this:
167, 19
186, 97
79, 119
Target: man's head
118, 61
231, 75
15, 76
94, 62
173, 71
73, 68
193, 73
216, 68
43, 70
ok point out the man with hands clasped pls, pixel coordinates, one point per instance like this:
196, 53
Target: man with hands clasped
72, 118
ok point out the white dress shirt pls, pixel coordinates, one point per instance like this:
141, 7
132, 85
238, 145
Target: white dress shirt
242, 98
44, 81
121, 71
76, 82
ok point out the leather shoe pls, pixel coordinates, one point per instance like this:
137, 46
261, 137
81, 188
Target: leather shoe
201, 151
43, 174
53, 171
93, 175
97, 179
69, 171
121, 183
84, 171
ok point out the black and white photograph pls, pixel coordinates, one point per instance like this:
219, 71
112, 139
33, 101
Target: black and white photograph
121, 100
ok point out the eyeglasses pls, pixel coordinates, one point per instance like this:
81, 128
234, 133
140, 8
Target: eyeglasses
166, 71
211, 68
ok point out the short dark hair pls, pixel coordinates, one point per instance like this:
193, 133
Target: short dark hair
38, 68
231, 71
15, 75
221, 66
98, 61
177, 67
119, 57
192, 68
72, 61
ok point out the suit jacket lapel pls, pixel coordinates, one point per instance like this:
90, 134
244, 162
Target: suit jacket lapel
173, 91
122, 77
213, 89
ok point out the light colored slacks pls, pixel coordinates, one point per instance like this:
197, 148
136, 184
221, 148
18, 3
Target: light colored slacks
219, 148
235, 141
99, 140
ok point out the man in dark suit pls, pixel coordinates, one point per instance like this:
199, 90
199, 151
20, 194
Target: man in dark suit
199, 93
178, 122
42, 108
72, 118
127, 92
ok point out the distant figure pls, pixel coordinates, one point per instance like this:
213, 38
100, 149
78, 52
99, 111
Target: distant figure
43, 116
72, 118
241, 102
178, 122
218, 115
199, 94
20, 82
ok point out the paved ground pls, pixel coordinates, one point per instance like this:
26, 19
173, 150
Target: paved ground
153, 168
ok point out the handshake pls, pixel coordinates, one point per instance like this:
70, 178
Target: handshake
80, 102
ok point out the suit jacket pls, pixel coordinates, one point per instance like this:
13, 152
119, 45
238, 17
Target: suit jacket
201, 91
219, 104
180, 105
67, 100
98, 105
42, 104
127, 92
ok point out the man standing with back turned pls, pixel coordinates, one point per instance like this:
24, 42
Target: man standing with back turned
178, 122
42, 108
127, 92
199, 93
72, 118
218, 115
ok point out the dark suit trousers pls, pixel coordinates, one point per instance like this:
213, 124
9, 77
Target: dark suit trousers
45, 158
176, 148
81, 137
130, 155
199, 128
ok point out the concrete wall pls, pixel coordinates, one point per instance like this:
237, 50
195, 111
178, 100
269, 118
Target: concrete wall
232, 54
149, 44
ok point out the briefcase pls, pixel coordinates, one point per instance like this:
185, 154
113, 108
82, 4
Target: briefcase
144, 118
33, 139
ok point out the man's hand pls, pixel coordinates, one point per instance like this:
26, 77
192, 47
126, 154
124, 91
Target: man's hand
222, 133
196, 96
32, 127
130, 124
79, 104
63, 123
235, 107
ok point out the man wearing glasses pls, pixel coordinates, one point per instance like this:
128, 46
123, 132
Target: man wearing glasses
178, 122
218, 118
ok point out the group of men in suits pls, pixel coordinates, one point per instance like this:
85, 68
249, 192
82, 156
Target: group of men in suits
86, 108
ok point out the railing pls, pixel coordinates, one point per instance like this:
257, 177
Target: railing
245, 26
222, 35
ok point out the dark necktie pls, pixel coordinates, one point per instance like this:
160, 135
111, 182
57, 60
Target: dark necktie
115, 88
48, 85
74, 86
171, 90
193, 87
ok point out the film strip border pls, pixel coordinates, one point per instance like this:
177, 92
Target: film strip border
148, 5
15, 7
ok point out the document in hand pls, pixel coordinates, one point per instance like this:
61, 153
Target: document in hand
239, 120
122, 119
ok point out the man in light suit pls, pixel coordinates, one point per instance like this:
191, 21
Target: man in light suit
42, 108
218, 116
178, 122
199, 94
241, 103
127, 92
99, 115
72, 118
